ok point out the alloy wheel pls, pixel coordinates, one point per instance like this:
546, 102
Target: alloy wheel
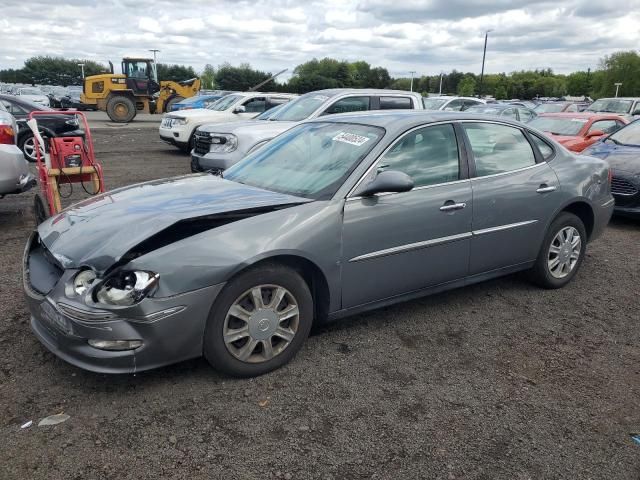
564, 252
261, 323
29, 148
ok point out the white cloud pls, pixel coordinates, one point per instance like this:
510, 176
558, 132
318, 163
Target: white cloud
422, 35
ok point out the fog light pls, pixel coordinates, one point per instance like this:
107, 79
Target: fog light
115, 345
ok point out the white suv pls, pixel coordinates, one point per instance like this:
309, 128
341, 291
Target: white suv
177, 128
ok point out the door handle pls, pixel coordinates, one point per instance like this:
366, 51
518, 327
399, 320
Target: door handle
544, 188
450, 207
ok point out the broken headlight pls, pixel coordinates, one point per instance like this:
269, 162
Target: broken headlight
82, 281
223, 142
126, 288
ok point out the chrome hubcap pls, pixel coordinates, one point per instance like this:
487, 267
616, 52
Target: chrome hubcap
29, 148
564, 252
261, 323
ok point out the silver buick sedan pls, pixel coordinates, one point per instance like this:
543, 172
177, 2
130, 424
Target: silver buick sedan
337, 215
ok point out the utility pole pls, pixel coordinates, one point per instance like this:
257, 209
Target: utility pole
484, 54
617, 84
155, 64
411, 72
81, 65
441, 74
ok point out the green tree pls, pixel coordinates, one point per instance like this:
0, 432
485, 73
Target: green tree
176, 73
241, 78
620, 67
467, 86
208, 77
46, 70
500, 93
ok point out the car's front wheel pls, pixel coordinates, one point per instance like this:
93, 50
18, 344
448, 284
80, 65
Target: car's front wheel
28, 146
259, 321
562, 252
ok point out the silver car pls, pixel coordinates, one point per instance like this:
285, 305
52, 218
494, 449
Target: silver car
15, 176
218, 146
337, 215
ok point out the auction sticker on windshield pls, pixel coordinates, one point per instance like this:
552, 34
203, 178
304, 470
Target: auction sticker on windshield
351, 139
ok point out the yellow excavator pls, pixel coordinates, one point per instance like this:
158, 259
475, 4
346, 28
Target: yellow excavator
135, 90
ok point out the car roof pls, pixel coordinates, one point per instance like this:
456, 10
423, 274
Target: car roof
401, 120
332, 92
619, 98
585, 115
499, 106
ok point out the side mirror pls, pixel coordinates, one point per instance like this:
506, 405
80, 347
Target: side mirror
389, 181
239, 109
595, 133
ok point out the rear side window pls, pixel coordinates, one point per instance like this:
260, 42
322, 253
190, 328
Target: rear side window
545, 149
349, 104
274, 101
395, 103
428, 155
498, 148
255, 105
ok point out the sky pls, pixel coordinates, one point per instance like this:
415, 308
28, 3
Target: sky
425, 36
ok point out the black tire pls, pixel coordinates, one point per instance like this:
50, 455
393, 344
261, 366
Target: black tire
215, 349
40, 211
171, 102
27, 141
189, 146
541, 273
121, 109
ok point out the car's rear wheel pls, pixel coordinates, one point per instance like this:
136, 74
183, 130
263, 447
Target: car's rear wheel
28, 146
562, 252
121, 109
259, 321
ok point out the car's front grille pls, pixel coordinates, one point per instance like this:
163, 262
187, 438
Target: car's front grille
202, 143
620, 186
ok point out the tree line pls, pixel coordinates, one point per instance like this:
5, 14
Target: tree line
620, 67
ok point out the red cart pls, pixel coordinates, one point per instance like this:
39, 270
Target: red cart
70, 160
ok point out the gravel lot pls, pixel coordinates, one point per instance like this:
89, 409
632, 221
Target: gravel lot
498, 381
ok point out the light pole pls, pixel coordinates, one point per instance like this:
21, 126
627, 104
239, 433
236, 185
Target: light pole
81, 65
411, 72
617, 84
441, 74
484, 54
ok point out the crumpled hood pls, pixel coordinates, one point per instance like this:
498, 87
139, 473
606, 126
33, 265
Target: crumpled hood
619, 157
101, 230
254, 128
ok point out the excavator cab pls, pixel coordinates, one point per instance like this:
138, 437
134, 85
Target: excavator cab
141, 75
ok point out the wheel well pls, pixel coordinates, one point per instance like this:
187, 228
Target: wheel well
311, 274
584, 212
27, 131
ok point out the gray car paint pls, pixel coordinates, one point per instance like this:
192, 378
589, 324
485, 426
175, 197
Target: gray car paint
15, 176
329, 235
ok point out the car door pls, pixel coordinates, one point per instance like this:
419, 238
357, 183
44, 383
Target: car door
401, 242
513, 196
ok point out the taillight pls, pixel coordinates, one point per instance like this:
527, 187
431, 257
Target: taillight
7, 135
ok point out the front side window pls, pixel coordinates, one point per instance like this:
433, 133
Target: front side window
311, 160
349, 104
455, 105
428, 155
255, 105
607, 126
470, 103
395, 103
14, 109
498, 148
525, 114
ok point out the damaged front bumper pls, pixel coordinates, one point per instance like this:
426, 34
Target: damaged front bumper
164, 330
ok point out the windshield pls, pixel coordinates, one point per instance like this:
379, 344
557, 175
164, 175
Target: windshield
549, 108
434, 103
559, 126
300, 109
224, 103
610, 105
30, 91
629, 135
267, 114
311, 160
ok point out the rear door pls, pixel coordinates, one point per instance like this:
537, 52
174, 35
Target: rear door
402, 242
513, 196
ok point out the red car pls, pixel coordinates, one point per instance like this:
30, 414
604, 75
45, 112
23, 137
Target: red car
576, 131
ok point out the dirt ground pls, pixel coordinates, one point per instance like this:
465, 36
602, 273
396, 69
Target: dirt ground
501, 380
